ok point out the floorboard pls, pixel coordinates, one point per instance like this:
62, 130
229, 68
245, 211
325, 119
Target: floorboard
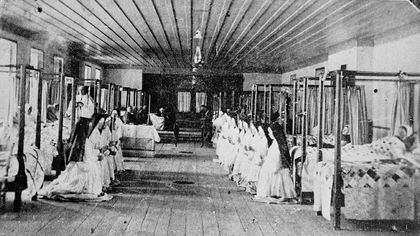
150, 201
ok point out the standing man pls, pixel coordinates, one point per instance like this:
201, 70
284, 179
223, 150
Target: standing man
206, 125
142, 115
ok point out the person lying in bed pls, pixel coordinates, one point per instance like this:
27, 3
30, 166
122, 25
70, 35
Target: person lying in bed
406, 135
345, 138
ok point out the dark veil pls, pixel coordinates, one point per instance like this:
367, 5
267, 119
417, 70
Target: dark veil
80, 133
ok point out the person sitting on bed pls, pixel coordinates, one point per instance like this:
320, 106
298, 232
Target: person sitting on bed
51, 116
130, 117
142, 115
161, 112
405, 134
345, 135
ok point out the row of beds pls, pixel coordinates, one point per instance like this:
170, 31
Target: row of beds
380, 180
37, 161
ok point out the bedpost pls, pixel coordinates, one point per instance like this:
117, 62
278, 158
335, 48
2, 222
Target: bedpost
294, 101
73, 102
304, 130
337, 151
21, 177
60, 120
255, 102
320, 115
39, 111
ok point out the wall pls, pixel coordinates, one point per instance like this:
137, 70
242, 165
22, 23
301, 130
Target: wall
81, 69
132, 78
390, 52
50, 48
164, 89
345, 54
305, 71
258, 78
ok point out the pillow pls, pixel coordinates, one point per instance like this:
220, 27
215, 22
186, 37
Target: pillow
390, 146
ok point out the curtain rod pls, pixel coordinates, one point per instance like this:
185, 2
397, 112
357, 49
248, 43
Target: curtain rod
382, 74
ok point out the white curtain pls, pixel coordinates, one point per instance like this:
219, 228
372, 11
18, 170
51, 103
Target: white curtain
184, 101
401, 106
124, 98
111, 102
356, 114
104, 98
32, 90
200, 99
132, 98
44, 101
8, 95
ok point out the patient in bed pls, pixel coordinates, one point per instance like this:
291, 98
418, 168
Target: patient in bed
406, 135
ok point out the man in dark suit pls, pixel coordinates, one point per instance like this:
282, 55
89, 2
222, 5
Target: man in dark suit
206, 125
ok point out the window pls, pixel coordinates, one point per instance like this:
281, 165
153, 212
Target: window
98, 74
88, 72
292, 78
184, 101
124, 95
200, 99
319, 72
58, 65
9, 88
37, 58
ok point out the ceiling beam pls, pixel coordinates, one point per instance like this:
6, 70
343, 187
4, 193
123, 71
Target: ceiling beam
176, 31
290, 17
138, 32
263, 8
129, 56
311, 27
227, 4
206, 12
235, 24
190, 26
43, 25
115, 33
128, 34
151, 31
164, 33
79, 35
78, 32
290, 30
297, 42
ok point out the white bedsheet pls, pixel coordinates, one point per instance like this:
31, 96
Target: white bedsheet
140, 131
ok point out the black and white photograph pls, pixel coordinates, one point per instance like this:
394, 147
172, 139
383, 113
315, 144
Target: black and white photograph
209, 117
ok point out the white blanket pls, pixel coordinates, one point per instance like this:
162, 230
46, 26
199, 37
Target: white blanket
140, 131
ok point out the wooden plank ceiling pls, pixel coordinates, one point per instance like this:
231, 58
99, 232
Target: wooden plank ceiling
238, 35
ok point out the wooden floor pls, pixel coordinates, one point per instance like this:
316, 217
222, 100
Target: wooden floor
150, 202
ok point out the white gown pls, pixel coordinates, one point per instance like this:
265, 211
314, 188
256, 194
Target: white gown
273, 180
81, 180
103, 140
223, 144
246, 160
107, 138
116, 135
232, 151
259, 144
241, 154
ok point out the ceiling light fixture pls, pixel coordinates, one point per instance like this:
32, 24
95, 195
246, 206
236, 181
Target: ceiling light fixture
198, 35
